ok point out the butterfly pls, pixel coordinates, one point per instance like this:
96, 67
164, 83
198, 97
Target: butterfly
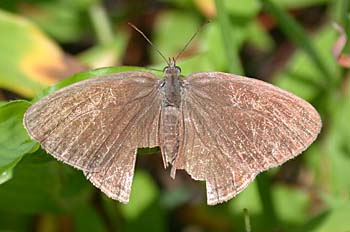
220, 128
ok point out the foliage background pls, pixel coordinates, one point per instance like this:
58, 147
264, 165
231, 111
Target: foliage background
288, 43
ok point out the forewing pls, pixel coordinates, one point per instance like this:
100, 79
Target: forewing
115, 179
88, 123
235, 127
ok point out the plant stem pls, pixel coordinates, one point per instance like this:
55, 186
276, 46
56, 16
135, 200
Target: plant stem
247, 220
101, 24
264, 189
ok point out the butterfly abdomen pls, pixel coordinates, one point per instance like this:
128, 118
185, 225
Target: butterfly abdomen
169, 133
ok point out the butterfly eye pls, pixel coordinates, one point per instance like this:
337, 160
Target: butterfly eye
178, 68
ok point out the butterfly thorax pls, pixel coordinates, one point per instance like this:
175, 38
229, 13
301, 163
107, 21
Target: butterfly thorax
172, 86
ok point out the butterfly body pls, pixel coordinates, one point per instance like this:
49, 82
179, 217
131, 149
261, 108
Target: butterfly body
170, 122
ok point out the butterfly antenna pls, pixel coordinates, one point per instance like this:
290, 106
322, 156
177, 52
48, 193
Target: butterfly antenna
149, 41
190, 40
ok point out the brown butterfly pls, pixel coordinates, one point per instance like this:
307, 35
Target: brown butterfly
219, 127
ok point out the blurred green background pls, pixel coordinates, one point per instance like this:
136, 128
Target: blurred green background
286, 42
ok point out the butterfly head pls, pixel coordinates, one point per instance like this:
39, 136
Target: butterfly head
171, 69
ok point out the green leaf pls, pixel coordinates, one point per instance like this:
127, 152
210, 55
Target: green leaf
63, 20
29, 60
143, 212
38, 187
144, 193
6, 172
14, 140
5, 176
86, 218
13, 221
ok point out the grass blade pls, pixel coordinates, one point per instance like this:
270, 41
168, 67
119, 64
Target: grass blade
101, 24
345, 14
233, 61
297, 35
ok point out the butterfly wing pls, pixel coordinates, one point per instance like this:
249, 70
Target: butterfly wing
235, 127
97, 125
115, 179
